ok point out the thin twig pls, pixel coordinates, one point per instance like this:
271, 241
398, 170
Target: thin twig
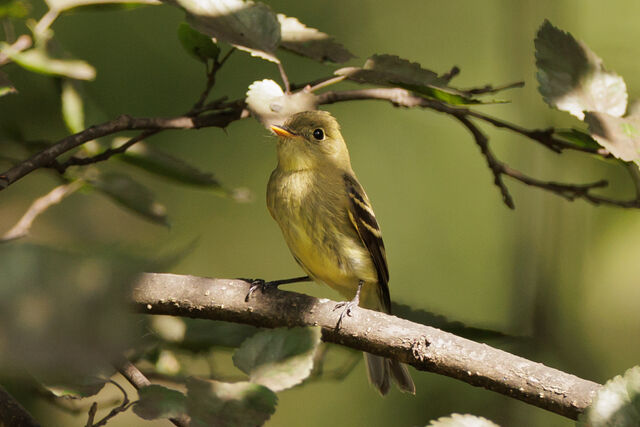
138, 380
285, 79
491, 89
126, 404
22, 43
12, 413
40, 205
424, 347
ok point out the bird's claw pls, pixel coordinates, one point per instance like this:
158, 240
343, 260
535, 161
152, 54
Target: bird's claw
255, 285
348, 306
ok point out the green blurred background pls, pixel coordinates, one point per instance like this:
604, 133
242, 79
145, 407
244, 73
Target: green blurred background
563, 273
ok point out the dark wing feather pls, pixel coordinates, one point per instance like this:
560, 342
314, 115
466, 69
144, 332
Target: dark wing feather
364, 221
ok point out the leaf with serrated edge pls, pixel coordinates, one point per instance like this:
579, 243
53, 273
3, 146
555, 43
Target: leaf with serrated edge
270, 105
157, 401
241, 404
132, 195
616, 404
619, 135
462, 420
278, 358
72, 107
309, 42
249, 26
572, 77
37, 61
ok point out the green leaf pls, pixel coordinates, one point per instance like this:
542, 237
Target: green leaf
242, 404
62, 5
197, 44
6, 87
38, 61
391, 70
278, 358
201, 335
619, 135
131, 195
14, 9
572, 78
579, 138
270, 105
617, 404
249, 26
157, 401
162, 164
462, 420
72, 107
79, 387
309, 42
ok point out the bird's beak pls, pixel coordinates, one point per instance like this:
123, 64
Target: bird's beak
282, 131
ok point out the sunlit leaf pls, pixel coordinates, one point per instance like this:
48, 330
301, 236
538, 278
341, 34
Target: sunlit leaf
79, 387
390, 70
162, 164
278, 358
309, 42
242, 404
579, 138
572, 77
62, 5
617, 404
462, 420
72, 107
131, 195
197, 44
157, 401
38, 61
249, 26
270, 105
6, 87
619, 135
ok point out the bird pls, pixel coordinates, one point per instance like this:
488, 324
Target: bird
329, 225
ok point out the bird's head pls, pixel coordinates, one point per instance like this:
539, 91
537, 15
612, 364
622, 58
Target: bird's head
309, 140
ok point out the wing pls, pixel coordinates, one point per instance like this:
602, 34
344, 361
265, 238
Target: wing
364, 221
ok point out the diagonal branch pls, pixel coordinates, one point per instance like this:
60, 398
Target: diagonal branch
424, 347
12, 413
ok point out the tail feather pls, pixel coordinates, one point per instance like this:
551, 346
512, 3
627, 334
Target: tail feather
381, 370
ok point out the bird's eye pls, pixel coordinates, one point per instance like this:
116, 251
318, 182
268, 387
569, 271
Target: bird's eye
318, 134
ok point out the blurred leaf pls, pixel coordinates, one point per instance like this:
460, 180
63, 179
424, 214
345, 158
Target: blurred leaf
424, 317
278, 358
462, 420
621, 136
391, 70
249, 26
169, 328
617, 404
197, 44
572, 77
167, 363
309, 42
162, 164
62, 5
214, 403
80, 387
72, 107
14, 9
201, 335
131, 195
157, 401
579, 138
46, 299
270, 105
6, 87
38, 61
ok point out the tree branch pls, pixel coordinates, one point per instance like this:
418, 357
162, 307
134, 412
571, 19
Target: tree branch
12, 413
423, 347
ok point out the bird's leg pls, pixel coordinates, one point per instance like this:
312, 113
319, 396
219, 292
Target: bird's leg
263, 286
348, 305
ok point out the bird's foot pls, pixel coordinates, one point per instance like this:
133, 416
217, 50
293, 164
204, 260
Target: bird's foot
347, 306
259, 284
